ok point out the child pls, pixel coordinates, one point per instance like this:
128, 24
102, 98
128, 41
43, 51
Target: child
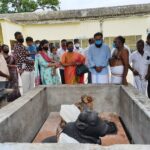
56, 58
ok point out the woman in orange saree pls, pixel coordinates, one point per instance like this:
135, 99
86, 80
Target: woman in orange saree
70, 60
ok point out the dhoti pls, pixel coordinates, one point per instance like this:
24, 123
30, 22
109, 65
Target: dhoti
116, 74
28, 81
100, 79
140, 84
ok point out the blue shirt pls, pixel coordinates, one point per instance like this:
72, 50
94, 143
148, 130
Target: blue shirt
99, 57
32, 49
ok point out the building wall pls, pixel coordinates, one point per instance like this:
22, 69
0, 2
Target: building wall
83, 29
1, 35
132, 28
127, 26
8, 30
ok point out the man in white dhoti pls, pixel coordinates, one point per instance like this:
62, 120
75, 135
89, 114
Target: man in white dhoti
140, 62
119, 62
98, 57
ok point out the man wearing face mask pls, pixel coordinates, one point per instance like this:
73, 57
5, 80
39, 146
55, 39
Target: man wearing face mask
25, 66
77, 47
60, 53
37, 44
98, 57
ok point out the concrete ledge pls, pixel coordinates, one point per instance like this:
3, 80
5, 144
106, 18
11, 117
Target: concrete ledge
135, 113
16, 119
14, 146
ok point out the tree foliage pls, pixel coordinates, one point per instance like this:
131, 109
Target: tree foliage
18, 6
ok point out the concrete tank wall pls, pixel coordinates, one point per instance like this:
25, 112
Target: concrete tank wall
21, 120
135, 113
106, 98
15, 146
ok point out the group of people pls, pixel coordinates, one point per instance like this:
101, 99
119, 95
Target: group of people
41, 63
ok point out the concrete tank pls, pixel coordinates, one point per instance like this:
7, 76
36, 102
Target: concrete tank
21, 120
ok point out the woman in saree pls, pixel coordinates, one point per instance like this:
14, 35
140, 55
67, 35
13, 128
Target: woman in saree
119, 62
70, 60
13, 74
46, 64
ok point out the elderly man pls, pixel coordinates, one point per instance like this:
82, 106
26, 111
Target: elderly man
140, 62
98, 57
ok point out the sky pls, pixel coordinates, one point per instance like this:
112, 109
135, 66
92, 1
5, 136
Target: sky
81, 4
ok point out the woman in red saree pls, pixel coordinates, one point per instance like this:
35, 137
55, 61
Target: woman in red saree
70, 60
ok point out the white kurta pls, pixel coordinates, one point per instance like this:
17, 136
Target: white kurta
140, 63
60, 54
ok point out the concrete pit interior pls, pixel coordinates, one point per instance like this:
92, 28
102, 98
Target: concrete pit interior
34, 116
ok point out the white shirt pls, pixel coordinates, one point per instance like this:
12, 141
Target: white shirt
140, 63
86, 51
3, 67
80, 50
147, 48
60, 54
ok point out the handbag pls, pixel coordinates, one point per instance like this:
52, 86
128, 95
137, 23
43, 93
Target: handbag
81, 69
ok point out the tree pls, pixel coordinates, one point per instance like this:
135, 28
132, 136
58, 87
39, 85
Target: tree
18, 6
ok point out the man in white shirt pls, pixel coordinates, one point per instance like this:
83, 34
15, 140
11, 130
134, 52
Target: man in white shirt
4, 72
77, 47
60, 53
147, 50
91, 41
140, 62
